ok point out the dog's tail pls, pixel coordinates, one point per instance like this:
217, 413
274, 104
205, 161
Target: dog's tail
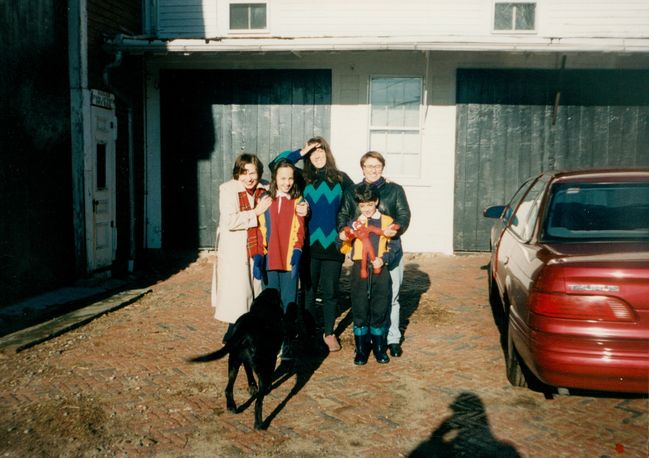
218, 354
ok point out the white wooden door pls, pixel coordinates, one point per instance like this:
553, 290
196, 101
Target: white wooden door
102, 243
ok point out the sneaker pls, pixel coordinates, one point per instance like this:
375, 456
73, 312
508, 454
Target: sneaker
332, 342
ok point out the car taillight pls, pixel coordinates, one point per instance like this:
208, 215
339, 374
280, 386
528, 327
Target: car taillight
580, 307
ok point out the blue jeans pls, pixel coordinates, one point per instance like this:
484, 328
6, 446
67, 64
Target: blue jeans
281, 280
394, 333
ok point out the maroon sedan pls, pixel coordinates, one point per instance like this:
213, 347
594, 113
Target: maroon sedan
570, 270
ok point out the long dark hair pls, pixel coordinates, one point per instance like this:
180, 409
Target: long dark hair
332, 174
295, 191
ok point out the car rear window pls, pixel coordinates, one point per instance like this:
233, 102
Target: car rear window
596, 211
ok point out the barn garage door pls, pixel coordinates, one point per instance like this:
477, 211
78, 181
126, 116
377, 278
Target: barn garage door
211, 116
509, 129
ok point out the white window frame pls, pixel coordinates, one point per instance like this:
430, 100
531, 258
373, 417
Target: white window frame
514, 30
249, 31
390, 157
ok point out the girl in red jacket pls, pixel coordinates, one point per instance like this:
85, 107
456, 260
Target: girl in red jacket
283, 235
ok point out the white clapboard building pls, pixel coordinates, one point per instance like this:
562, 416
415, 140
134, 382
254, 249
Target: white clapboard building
465, 98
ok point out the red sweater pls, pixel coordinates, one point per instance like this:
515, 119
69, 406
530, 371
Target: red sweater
282, 231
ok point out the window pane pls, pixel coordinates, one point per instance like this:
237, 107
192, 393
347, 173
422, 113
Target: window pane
394, 143
598, 211
396, 116
400, 97
411, 115
377, 140
379, 94
525, 218
101, 166
379, 115
411, 142
238, 16
395, 104
525, 16
258, 16
395, 91
412, 90
503, 16
393, 164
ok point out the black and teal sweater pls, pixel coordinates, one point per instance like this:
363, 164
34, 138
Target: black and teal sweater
324, 199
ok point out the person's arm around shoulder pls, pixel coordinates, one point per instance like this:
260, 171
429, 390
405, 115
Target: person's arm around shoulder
402, 215
347, 211
293, 156
392, 251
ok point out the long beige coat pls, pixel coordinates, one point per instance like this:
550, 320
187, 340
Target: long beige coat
233, 286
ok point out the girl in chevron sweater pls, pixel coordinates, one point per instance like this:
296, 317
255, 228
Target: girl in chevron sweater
324, 188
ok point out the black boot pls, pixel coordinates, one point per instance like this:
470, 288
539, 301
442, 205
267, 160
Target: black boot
379, 347
362, 349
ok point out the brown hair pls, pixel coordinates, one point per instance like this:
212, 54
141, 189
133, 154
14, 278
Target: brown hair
372, 154
244, 159
332, 173
295, 190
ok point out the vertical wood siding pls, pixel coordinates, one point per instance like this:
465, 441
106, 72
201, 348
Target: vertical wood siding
210, 117
501, 143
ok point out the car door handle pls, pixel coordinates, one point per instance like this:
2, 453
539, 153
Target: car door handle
506, 261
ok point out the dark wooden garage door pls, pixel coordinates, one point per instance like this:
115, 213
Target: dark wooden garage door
211, 116
508, 129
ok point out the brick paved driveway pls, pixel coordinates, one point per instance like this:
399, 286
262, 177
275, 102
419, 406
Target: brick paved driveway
120, 386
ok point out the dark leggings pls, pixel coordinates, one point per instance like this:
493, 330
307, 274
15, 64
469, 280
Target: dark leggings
371, 298
324, 274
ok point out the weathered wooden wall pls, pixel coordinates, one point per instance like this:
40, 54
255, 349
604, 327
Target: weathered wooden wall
210, 117
511, 132
35, 170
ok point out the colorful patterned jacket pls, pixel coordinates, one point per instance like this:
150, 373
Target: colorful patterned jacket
282, 232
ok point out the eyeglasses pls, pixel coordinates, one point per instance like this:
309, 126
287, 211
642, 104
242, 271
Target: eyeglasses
373, 167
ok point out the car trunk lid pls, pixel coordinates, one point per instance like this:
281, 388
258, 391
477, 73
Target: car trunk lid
617, 269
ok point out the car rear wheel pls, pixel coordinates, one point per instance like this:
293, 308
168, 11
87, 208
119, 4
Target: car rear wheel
515, 373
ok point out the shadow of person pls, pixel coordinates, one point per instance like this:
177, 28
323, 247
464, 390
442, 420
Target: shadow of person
415, 283
465, 433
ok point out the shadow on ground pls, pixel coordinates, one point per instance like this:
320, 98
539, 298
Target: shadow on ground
415, 284
465, 433
310, 353
151, 268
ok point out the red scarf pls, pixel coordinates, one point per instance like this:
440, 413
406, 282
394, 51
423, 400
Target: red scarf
255, 244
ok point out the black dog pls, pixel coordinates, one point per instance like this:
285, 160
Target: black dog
255, 342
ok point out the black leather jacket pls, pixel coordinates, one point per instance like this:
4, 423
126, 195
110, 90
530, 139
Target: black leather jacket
392, 202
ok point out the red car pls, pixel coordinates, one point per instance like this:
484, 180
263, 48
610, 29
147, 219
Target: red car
570, 270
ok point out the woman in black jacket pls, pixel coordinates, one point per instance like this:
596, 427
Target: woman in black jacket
392, 202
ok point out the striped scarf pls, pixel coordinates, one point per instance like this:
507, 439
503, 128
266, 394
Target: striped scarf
255, 243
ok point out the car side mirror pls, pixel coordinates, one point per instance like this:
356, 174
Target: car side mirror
495, 211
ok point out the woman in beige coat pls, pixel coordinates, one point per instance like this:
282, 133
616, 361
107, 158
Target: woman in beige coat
238, 241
